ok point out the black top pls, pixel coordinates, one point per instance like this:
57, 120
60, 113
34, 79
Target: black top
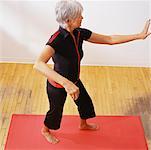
68, 51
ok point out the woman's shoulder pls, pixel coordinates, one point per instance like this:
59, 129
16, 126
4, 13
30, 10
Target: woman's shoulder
84, 32
56, 36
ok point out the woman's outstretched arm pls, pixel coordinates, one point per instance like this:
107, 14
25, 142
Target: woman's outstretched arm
118, 39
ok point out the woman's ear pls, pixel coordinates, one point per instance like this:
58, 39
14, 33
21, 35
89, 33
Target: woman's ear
69, 22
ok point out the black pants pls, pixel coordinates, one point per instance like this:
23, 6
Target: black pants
57, 97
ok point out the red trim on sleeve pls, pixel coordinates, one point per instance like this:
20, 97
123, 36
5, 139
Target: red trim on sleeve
54, 36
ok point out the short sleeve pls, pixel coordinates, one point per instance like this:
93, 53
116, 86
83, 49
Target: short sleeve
85, 33
54, 41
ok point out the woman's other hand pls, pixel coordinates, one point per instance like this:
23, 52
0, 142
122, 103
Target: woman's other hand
145, 33
71, 89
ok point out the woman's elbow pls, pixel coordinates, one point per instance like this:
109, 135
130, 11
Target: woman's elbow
36, 65
107, 40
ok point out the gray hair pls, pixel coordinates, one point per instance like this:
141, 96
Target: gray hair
67, 9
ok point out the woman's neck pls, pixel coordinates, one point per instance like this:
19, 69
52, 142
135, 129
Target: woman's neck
69, 29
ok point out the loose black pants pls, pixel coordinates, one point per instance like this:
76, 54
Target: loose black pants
57, 97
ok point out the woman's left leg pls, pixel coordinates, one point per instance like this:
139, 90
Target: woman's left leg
85, 108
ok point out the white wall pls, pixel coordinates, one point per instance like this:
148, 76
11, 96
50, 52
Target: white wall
25, 27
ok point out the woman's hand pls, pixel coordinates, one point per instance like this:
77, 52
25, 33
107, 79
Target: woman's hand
145, 33
71, 89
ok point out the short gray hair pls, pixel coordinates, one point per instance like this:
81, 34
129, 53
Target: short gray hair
67, 9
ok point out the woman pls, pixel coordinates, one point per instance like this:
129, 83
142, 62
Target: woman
65, 48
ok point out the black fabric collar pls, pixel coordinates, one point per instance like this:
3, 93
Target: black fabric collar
66, 33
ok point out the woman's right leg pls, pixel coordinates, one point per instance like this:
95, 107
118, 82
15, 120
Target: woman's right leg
57, 97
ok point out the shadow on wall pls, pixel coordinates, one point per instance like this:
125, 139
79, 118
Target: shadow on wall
12, 50
26, 19
142, 107
30, 16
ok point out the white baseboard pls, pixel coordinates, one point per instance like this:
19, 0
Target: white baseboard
32, 61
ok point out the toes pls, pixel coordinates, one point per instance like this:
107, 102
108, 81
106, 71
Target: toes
50, 138
55, 141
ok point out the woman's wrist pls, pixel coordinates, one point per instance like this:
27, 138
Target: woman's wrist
141, 36
63, 81
138, 36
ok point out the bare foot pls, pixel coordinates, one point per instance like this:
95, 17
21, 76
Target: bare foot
49, 137
89, 127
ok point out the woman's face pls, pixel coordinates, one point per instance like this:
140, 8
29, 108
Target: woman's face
76, 23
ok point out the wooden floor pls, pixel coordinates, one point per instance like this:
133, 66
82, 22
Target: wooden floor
114, 90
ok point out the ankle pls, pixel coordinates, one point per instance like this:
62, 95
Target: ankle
83, 122
45, 129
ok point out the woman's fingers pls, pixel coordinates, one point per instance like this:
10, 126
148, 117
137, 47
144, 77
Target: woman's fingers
72, 90
74, 94
145, 33
147, 25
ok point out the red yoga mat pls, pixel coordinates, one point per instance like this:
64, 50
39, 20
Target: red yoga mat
115, 133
